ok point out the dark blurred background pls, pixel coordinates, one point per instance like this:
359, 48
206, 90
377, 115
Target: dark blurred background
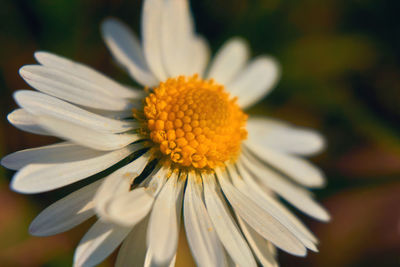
341, 76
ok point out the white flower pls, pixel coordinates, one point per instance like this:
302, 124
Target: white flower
182, 146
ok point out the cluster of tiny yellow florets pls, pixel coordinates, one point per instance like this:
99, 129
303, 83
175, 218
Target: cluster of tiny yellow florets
195, 122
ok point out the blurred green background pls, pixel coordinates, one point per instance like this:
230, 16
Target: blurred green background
341, 76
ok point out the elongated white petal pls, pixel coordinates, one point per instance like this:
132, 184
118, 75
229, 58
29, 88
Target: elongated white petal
272, 207
112, 186
133, 250
25, 121
255, 81
296, 168
41, 104
98, 243
229, 261
283, 137
265, 194
200, 56
117, 115
39, 177
258, 244
57, 153
294, 194
151, 34
149, 260
261, 221
103, 83
176, 37
229, 60
126, 49
66, 213
85, 136
225, 226
162, 235
203, 240
130, 208
71, 88
118, 183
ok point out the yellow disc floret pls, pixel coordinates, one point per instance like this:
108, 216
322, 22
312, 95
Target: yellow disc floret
195, 122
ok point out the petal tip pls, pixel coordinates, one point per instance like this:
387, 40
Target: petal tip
26, 71
7, 162
38, 55
23, 187
35, 230
323, 215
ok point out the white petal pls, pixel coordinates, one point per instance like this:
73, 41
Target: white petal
272, 207
176, 37
151, 34
98, 243
255, 81
85, 136
57, 153
44, 105
202, 238
71, 88
133, 249
229, 261
225, 226
284, 137
117, 115
39, 177
261, 221
26, 122
149, 260
130, 208
229, 60
162, 235
118, 183
66, 213
262, 192
294, 194
295, 167
200, 56
112, 186
259, 245
126, 49
103, 83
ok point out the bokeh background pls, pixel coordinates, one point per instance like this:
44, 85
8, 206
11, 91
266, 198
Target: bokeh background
341, 76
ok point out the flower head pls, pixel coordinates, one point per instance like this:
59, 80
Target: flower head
183, 145
194, 122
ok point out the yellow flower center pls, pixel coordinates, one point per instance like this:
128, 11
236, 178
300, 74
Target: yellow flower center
195, 122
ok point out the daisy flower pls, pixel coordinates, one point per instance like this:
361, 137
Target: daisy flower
181, 148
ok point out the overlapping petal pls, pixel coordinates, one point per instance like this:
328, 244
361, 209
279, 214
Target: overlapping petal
66, 213
126, 49
71, 88
268, 133
203, 240
102, 83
